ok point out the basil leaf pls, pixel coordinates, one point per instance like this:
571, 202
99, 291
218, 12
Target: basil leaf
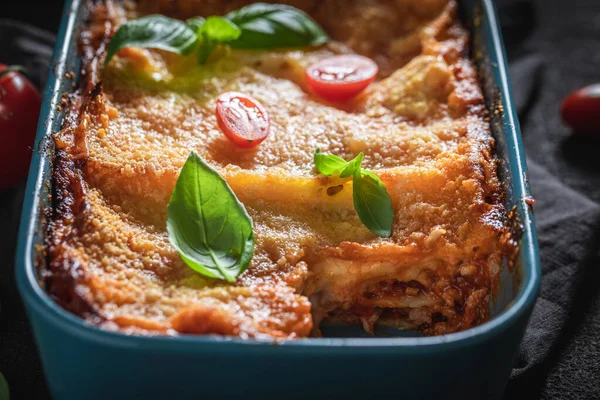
4, 393
207, 224
156, 32
213, 31
353, 166
273, 26
220, 29
195, 23
372, 203
328, 164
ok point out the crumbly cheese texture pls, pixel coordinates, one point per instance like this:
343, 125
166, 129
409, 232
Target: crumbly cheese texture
421, 126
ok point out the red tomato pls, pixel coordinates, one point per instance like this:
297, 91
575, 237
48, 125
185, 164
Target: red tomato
242, 119
20, 104
342, 77
581, 110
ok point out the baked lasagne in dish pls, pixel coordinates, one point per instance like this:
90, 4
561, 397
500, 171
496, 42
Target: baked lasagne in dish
421, 127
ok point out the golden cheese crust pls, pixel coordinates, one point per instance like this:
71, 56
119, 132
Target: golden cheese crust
422, 127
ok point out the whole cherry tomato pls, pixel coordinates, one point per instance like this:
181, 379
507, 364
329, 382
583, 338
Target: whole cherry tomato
339, 78
242, 119
20, 104
581, 110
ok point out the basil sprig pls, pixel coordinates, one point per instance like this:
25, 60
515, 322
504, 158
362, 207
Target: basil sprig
258, 26
372, 202
207, 224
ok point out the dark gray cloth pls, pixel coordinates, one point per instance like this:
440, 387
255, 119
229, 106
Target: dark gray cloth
554, 48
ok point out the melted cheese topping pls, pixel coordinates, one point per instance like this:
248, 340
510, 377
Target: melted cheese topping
421, 126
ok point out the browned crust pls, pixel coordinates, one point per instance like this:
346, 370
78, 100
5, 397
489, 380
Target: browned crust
66, 279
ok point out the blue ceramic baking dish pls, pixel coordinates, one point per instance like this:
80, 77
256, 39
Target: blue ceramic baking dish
84, 362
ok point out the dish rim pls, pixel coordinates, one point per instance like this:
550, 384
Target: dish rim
35, 297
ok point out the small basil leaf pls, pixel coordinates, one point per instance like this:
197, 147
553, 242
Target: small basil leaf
207, 224
153, 31
273, 26
220, 29
328, 164
4, 393
353, 166
195, 23
372, 203
213, 31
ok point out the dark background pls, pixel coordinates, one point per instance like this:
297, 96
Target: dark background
554, 48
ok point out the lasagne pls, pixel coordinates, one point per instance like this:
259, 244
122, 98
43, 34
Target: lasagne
423, 129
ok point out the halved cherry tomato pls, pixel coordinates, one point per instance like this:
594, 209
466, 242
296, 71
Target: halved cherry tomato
581, 110
242, 119
342, 77
20, 104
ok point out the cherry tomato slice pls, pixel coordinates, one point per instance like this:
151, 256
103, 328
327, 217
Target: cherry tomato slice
242, 119
339, 78
581, 110
20, 104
